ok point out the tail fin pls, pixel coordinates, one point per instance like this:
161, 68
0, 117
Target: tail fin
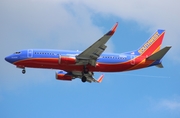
152, 45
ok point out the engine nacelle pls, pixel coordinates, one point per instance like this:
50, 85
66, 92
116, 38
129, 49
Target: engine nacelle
63, 75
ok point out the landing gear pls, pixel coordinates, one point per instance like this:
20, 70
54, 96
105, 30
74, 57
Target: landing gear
23, 71
83, 79
85, 69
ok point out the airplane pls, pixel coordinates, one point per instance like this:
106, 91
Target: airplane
83, 64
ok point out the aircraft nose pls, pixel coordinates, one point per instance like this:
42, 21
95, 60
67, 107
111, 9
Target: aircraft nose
7, 59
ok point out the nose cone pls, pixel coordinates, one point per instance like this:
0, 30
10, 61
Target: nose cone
7, 59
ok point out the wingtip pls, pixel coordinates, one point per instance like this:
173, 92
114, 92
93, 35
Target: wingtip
100, 79
115, 26
111, 32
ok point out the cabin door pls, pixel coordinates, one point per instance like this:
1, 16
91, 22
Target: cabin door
132, 59
30, 53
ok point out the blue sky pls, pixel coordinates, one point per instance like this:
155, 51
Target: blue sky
74, 25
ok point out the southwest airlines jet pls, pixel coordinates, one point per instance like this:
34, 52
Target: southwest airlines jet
83, 64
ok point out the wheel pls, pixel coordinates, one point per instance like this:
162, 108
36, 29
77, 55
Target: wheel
83, 79
23, 71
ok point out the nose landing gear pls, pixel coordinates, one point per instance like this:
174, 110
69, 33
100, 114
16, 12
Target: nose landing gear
23, 71
22, 67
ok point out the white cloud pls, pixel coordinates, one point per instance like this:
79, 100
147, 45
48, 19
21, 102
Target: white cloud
170, 104
31, 22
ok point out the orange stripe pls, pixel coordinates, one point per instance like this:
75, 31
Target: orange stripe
147, 63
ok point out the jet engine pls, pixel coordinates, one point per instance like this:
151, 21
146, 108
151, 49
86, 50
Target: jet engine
63, 75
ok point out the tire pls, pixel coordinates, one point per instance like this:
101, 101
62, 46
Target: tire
83, 79
23, 71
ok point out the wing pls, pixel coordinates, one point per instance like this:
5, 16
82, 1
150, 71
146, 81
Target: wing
91, 54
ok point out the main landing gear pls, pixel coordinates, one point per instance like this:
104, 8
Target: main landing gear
85, 71
23, 71
83, 79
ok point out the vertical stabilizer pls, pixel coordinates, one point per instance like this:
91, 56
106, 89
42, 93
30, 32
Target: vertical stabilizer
153, 44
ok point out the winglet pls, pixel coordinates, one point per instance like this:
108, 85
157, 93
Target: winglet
111, 32
100, 79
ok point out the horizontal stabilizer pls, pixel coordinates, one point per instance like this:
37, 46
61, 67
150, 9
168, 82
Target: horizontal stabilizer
160, 65
159, 55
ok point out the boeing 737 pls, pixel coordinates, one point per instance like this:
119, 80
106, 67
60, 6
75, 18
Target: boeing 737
83, 64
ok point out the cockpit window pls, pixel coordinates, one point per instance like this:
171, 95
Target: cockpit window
17, 52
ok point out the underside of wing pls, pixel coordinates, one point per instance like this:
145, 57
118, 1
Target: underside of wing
89, 76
